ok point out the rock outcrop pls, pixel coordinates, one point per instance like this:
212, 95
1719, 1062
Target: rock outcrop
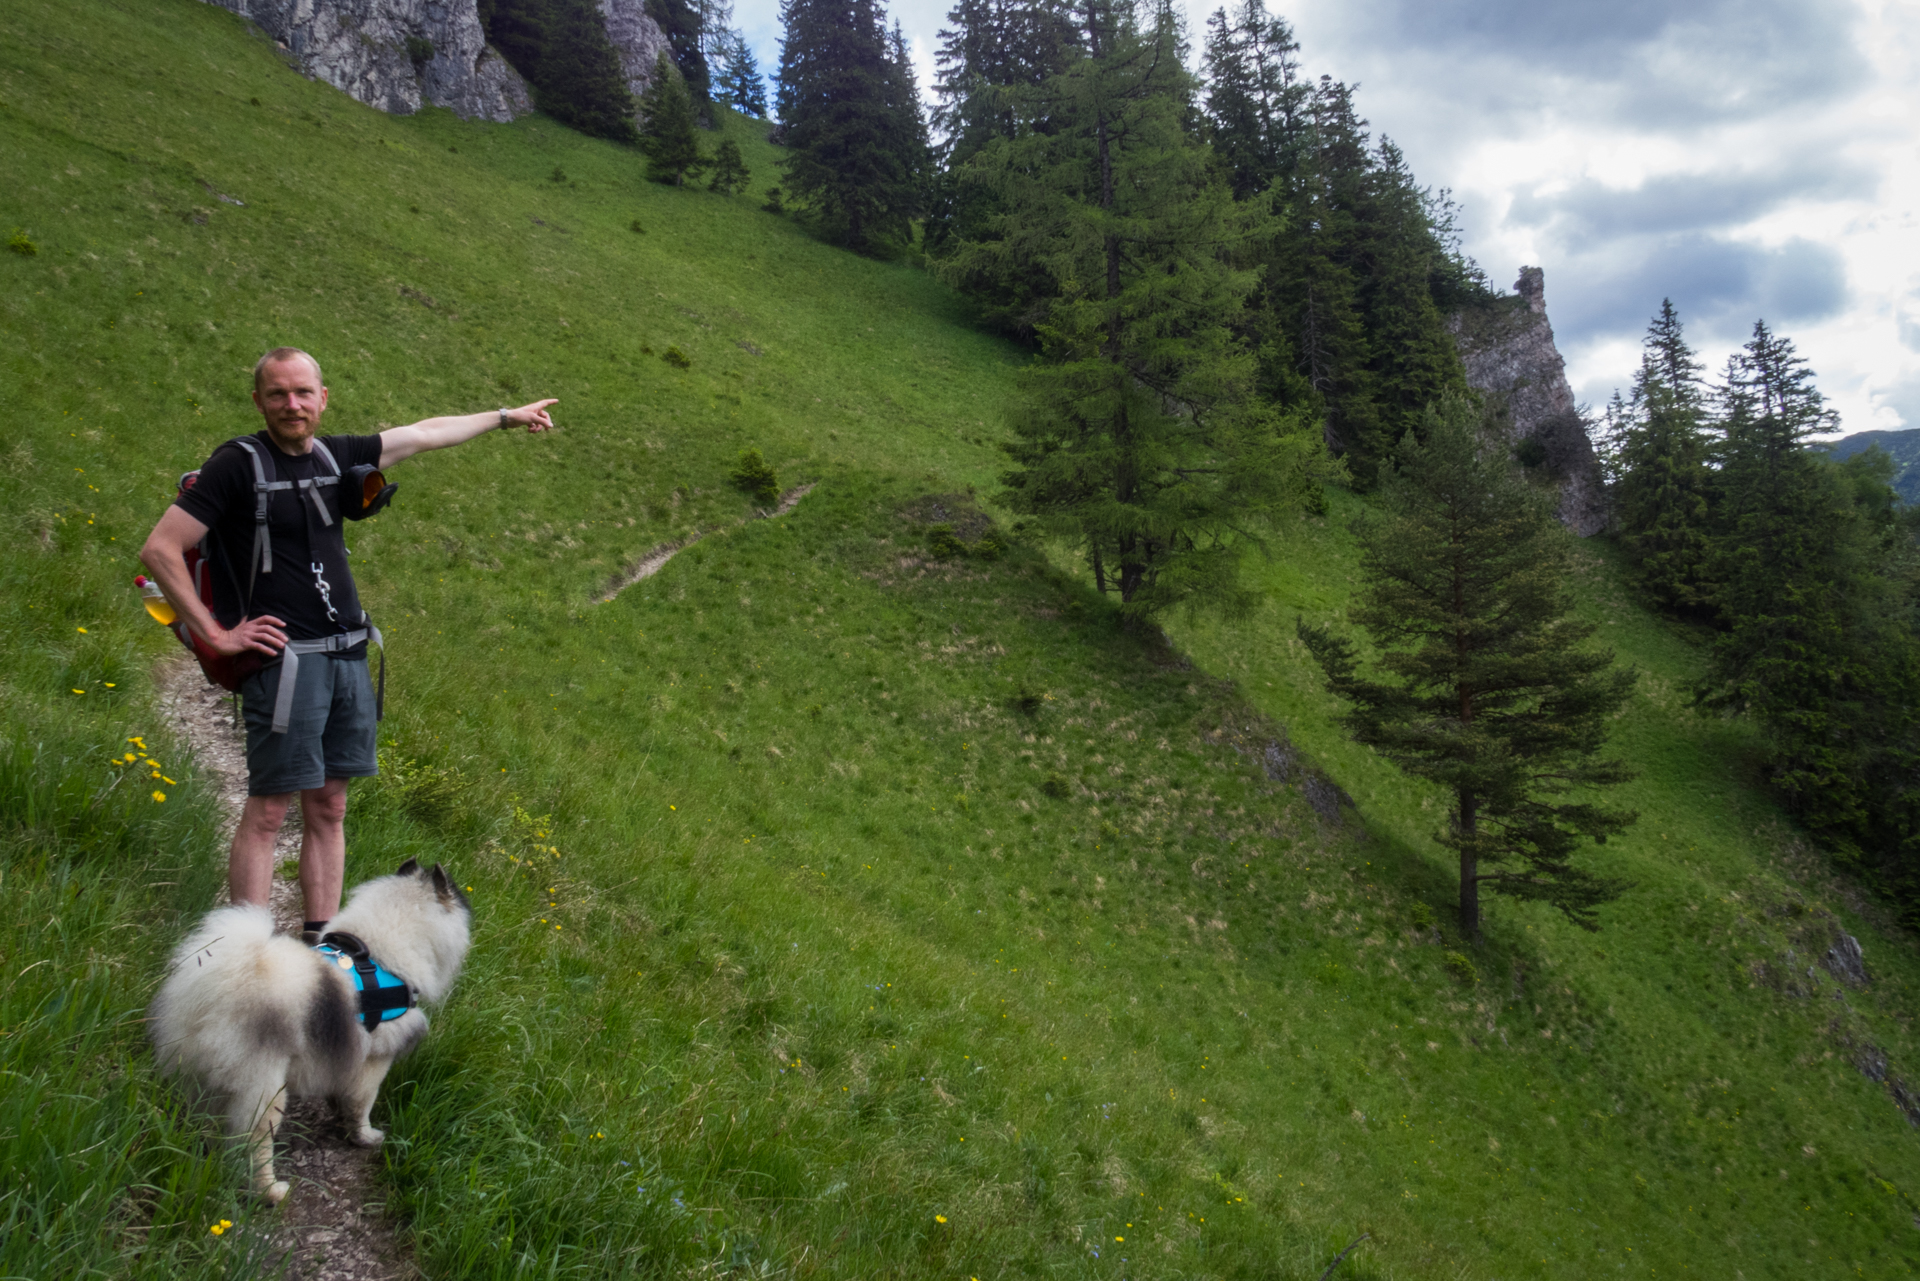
1507, 348
638, 39
396, 55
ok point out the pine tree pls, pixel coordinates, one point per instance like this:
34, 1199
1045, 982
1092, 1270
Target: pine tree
561, 47
730, 172
1137, 436
1661, 498
668, 136
1483, 683
682, 23
852, 122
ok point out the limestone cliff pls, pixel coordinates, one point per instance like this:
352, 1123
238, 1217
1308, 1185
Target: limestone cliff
637, 38
1507, 347
396, 55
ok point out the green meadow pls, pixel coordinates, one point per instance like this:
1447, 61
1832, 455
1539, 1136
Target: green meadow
841, 910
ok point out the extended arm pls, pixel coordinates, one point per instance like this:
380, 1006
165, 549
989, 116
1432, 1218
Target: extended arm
165, 556
400, 443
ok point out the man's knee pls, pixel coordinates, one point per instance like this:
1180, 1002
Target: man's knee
265, 813
325, 805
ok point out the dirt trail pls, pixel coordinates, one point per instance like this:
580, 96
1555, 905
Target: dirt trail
332, 1226
650, 564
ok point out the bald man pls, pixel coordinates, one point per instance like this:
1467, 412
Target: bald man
311, 740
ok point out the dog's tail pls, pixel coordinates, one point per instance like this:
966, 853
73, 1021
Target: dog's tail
223, 933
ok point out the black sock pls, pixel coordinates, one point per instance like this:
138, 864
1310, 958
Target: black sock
314, 927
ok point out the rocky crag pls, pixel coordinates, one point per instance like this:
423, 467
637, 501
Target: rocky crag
1508, 350
400, 55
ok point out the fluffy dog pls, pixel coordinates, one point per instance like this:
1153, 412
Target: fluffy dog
251, 1016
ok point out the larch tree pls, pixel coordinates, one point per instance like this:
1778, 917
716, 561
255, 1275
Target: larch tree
1481, 680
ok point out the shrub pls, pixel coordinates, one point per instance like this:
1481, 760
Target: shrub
944, 543
756, 477
636, 228
21, 245
677, 358
1422, 916
419, 51
558, 175
1057, 787
1530, 452
1462, 969
774, 205
990, 547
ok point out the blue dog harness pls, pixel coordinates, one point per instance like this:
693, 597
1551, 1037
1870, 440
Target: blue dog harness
383, 994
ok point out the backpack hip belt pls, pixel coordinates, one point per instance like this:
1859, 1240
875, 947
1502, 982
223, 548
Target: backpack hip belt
290, 670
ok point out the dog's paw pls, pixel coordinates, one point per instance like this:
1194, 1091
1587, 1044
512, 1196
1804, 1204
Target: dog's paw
368, 1137
276, 1192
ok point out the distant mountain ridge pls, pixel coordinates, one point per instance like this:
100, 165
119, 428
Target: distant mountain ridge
1903, 446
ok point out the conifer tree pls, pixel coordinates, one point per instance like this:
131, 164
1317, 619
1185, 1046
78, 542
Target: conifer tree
730, 172
1256, 100
1137, 435
1791, 580
1483, 682
668, 136
1662, 494
856, 138
682, 21
739, 83
561, 47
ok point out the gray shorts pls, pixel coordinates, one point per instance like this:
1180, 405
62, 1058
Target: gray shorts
331, 733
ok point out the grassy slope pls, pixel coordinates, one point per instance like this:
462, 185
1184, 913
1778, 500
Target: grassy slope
788, 951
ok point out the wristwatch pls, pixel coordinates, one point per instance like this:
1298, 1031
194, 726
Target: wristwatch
503, 417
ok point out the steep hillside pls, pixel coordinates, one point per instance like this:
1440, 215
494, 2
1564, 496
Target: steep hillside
1902, 446
843, 908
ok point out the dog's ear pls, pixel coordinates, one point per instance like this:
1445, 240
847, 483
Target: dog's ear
409, 868
441, 885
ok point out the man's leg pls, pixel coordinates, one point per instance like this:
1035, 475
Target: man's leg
250, 861
323, 848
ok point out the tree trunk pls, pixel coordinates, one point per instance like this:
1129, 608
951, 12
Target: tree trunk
1469, 867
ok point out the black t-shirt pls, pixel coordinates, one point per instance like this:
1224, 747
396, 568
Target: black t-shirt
223, 500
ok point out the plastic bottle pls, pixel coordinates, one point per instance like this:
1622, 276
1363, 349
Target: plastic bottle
155, 600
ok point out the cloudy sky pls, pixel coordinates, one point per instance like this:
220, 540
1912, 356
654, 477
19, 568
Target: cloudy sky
1747, 158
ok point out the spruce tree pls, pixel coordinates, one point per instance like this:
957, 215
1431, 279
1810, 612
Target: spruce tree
1482, 681
1791, 575
682, 21
1256, 100
1663, 457
852, 123
668, 136
561, 47
730, 172
739, 83
1137, 435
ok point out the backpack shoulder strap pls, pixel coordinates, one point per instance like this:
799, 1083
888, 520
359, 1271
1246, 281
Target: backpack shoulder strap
262, 559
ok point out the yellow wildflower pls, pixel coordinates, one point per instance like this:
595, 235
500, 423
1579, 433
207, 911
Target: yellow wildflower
159, 796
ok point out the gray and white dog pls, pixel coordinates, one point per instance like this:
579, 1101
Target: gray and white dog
252, 1017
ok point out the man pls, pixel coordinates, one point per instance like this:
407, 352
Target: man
300, 592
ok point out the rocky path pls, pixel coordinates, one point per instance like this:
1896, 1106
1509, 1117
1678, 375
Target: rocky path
650, 564
332, 1226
